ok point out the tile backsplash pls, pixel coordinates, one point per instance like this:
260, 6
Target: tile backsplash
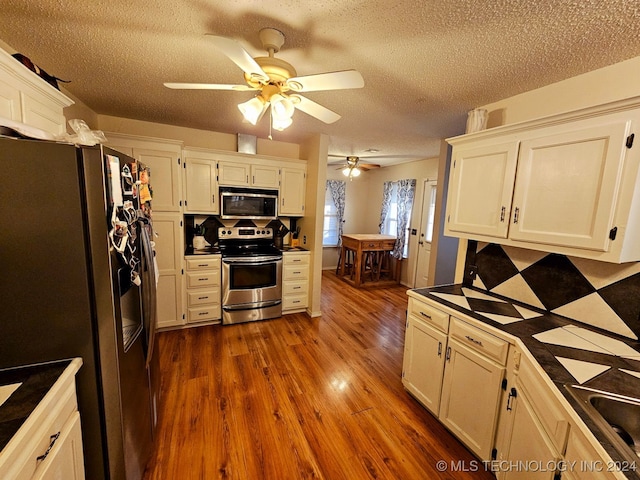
604, 295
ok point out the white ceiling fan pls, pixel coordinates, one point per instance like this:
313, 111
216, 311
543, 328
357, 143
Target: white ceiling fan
277, 82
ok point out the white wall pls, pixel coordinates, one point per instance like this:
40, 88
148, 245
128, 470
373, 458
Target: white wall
615, 82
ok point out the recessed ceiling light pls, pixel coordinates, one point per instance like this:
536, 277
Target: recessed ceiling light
372, 150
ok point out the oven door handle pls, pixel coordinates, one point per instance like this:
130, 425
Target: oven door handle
252, 260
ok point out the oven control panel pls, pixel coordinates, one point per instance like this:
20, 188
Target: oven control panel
244, 233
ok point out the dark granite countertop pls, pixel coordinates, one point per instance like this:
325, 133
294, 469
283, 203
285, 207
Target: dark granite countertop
205, 251
541, 333
36, 381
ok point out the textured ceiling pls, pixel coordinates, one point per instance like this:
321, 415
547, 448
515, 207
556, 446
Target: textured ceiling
425, 63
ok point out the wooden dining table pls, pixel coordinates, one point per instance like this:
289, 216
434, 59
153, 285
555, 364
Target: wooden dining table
357, 246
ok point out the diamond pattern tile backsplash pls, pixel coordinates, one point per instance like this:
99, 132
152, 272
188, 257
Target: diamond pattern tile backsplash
601, 294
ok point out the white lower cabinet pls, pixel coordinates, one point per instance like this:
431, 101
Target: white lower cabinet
496, 399
423, 364
203, 289
583, 462
536, 429
48, 446
441, 370
295, 281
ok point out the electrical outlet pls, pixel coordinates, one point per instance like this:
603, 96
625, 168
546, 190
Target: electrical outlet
304, 239
472, 271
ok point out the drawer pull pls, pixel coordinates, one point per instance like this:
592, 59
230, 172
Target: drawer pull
203, 265
297, 273
473, 340
296, 260
296, 301
203, 313
52, 441
297, 288
425, 315
203, 279
202, 298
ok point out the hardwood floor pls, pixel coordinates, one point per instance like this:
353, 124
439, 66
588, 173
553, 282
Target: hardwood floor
297, 397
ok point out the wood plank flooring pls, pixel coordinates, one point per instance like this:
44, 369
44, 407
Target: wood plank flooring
297, 398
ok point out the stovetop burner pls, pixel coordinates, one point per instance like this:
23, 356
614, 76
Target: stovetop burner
246, 240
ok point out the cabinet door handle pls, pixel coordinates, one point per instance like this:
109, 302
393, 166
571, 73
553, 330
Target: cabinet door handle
448, 355
52, 441
516, 214
439, 349
473, 340
512, 394
502, 213
425, 315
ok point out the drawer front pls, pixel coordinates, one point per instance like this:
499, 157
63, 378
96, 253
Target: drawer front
426, 313
486, 343
295, 288
295, 272
202, 314
203, 297
210, 278
204, 263
295, 259
291, 302
548, 409
373, 245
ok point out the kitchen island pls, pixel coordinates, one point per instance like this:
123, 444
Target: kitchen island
365, 260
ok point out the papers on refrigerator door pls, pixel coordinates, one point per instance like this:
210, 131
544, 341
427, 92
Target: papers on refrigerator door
113, 163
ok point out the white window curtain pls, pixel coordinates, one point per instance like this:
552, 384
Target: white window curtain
337, 190
406, 193
387, 189
397, 203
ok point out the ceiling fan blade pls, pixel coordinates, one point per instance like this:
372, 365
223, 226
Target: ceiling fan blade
207, 86
368, 166
314, 109
238, 55
327, 81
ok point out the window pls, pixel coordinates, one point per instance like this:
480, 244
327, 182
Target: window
330, 229
431, 213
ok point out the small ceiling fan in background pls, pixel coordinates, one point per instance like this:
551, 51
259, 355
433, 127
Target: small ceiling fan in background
352, 166
276, 82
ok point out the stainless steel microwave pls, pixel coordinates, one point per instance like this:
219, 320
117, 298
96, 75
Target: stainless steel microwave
238, 203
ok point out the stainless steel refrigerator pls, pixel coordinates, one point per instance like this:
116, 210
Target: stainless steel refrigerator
77, 279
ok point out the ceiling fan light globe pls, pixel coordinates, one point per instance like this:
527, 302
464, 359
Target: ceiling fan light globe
355, 172
252, 109
281, 123
281, 107
346, 171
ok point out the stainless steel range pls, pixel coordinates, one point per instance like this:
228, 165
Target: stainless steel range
251, 273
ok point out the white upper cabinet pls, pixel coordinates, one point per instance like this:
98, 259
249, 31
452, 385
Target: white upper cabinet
230, 173
248, 175
165, 177
27, 98
201, 188
292, 191
563, 184
481, 188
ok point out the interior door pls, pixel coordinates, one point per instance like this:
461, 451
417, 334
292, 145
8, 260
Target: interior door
426, 234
